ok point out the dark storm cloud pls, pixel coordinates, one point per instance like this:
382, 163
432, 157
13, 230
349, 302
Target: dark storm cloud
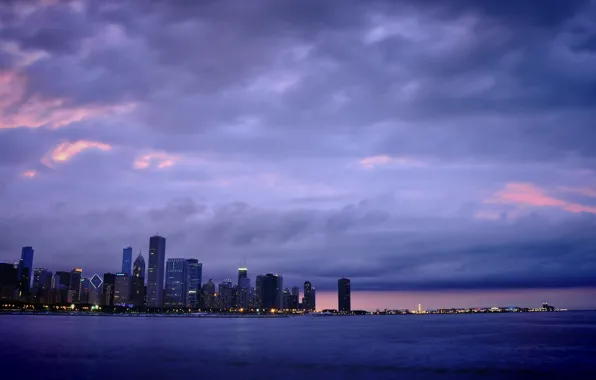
373, 139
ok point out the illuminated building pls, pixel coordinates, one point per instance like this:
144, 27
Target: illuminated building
137, 293
156, 271
109, 283
343, 295
42, 285
75, 284
244, 293
193, 281
225, 294
176, 283
308, 301
25, 269
208, 296
127, 261
121, 289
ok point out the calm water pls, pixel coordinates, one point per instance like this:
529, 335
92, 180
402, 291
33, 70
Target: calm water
556, 345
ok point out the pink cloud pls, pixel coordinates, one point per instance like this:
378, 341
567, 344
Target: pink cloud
530, 195
67, 150
384, 160
158, 159
38, 112
29, 173
585, 191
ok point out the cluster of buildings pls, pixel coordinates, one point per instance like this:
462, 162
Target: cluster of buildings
175, 283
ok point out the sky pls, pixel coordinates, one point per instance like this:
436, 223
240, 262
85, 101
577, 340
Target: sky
436, 151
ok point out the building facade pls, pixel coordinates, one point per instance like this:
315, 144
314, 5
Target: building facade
122, 289
176, 283
344, 300
193, 280
127, 261
156, 271
137, 292
308, 301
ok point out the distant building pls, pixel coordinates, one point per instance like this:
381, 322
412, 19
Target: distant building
308, 301
62, 283
244, 293
86, 291
225, 294
25, 270
208, 295
109, 285
258, 295
42, 285
127, 261
343, 295
9, 281
122, 289
176, 283
137, 292
156, 271
271, 291
194, 276
242, 273
75, 285
286, 299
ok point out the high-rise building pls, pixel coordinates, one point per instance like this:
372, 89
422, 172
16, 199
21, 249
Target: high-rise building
122, 289
9, 281
25, 271
225, 294
109, 284
127, 261
294, 298
42, 285
208, 296
242, 273
308, 301
286, 299
343, 295
258, 296
137, 293
244, 293
194, 276
62, 285
75, 284
271, 287
156, 271
176, 283
86, 291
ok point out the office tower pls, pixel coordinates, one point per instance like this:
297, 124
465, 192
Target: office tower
9, 281
155, 276
296, 291
75, 284
242, 273
244, 293
137, 294
127, 261
86, 290
286, 299
95, 290
308, 302
258, 296
26, 262
194, 271
225, 294
62, 285
109, 284
294, 298
343, 295
121, 289
252, 298
208, 296
176, 283
42, 285
271, 291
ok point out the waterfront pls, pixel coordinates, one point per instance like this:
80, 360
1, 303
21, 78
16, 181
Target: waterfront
517, 345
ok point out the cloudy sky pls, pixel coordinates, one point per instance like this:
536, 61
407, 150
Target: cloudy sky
436, 151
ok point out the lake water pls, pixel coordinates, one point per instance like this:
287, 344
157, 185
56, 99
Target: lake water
524, 346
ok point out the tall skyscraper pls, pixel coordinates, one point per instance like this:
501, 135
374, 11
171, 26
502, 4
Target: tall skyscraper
176, 283
137, 293
157, 266
127, 261
75, 284
9, 281
225, 294
308, 301
343, 295
121, 289
193, 291
271, 291
242, 273
25, 269
258, 296
244, 293
109, 284
42, 285
208, 296
62, 285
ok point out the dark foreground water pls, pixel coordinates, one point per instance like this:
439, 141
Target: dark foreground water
525, 346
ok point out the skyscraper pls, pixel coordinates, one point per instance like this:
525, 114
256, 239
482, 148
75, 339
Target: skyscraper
8, 281
25, 269
75, 284
155, 277
258, 296
121, 289
193, 291
308, 301
271, 291
62, 285
109, 284
137, 293
225, 294
242, 273
244, 293
176, 283
343, 295
208, 296
127, 261
42, 285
